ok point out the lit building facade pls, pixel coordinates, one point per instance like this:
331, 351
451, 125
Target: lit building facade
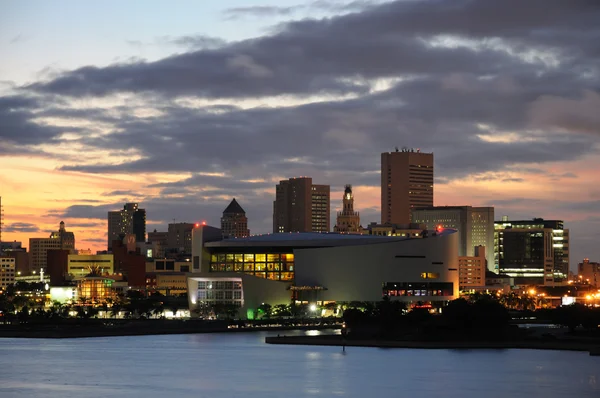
588, 272
406, 183
301, 206
130, 220
472, 269
348, 220
277, 268
95, 288
38, 247
7, 272
475, 226
534, 252
80, 265
234, 223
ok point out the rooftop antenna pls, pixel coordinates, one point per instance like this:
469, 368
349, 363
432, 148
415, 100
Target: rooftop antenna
397, 149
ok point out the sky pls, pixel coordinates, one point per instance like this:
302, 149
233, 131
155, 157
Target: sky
181, 106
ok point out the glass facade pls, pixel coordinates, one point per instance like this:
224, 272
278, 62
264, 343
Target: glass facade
418, 289
274, 266
220, 291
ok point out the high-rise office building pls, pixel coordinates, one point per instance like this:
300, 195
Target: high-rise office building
180, 237
406, 183
475, 227
300, 206
348, 220
234, 223
130, 220
534, 252
38, 247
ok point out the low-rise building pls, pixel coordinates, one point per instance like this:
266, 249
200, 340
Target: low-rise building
7, 272
80, 265
471, 269
158, 265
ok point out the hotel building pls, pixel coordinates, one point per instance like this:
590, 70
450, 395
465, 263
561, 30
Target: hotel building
406, 183
301, 206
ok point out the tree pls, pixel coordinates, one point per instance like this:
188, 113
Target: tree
281, 310
265, 311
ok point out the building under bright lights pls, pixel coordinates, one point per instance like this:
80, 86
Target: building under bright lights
312, 267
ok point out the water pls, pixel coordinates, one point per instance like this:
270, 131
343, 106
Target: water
241, 365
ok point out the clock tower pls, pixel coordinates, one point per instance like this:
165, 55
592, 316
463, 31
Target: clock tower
348, 220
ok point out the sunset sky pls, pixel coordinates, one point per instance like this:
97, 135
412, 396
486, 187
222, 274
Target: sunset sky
181, 106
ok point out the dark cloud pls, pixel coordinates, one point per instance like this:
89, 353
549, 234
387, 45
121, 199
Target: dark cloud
16, 125
20, 227
328, 55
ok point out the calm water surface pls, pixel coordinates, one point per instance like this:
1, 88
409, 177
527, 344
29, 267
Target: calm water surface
241, 365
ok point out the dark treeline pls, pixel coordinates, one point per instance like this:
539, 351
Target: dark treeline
483, 319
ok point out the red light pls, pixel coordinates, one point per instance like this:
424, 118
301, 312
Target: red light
197, 225
203, 222
440, 228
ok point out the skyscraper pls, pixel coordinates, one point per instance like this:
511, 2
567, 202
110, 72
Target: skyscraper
348, 220
300, 206
406, 183
130, 220
475, 227
234, 223
532, 251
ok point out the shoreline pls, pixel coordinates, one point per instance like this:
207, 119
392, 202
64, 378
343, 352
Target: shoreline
335, 340
145, 329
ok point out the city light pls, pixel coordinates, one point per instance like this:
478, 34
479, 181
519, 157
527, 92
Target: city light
313, 307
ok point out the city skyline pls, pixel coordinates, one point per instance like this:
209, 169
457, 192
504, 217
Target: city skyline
511, 115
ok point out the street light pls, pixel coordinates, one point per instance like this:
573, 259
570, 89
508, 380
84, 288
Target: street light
313, 307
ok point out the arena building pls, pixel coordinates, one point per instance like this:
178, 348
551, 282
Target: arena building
321, 267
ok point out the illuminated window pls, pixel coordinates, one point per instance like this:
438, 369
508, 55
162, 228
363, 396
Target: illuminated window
430, 275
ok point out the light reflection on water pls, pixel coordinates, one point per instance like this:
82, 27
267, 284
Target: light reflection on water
242, 365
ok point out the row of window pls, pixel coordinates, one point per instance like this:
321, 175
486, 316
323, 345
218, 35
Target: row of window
246, 267
219, 295
251, 257
220, 285
418, 289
